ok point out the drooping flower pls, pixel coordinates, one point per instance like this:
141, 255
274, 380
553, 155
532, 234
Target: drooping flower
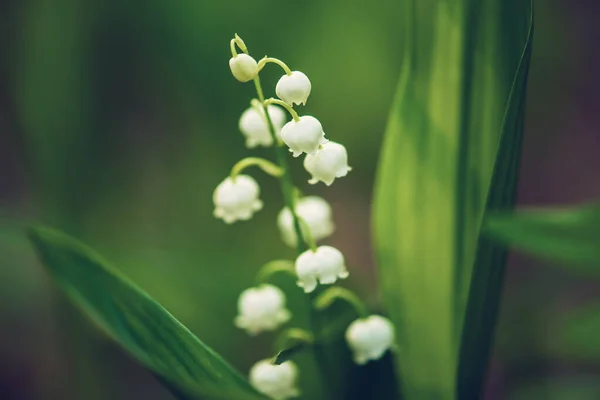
243, 67
236, 199
261, 309
303, 136
294, 88
255, 128
276, 381
330, 162
315, 211
324, 265
369, 338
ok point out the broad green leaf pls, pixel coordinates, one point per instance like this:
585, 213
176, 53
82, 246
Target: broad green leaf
570, 235
190, 369
450, 152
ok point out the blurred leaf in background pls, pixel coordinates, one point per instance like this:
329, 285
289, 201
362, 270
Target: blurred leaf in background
569, 235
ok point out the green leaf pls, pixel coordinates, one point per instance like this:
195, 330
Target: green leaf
450, 152
138, 323
569, 235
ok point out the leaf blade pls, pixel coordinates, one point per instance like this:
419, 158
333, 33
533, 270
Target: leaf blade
435, 173
567, 235
137, 322
484, 290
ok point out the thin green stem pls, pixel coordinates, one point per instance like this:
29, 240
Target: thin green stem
232, 48
293, 335
285, 105
259, 91
267, 166
308, 235
287, 185
289, 195
292, 342
276, 267
328, 297
263, 61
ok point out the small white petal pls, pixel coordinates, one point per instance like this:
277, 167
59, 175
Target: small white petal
315, 211
370, 338
329, 162
326, 265
303, 136
236, 199
276, 381
294, 88
253, 125
243, 67
261, 309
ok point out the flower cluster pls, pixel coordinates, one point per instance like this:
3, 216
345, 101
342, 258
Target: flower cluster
303, 221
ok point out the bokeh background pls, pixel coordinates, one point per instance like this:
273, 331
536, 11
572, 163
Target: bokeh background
118, 119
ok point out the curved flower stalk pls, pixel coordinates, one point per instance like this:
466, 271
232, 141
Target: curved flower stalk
302, 222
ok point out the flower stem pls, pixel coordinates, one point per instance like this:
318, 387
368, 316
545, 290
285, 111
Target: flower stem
232, 48
308, 235
289, 196
267, 166
283, 65
240, 43
285, 105
275, 267
287, 186
328, 297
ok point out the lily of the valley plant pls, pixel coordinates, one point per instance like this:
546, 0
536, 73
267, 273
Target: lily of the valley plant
304, 221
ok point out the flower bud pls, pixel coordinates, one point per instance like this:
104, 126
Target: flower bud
325, 266
255, 128
293, 88
315, 211
369, 338
303, 136
330, 162
276, 381
261, 309
236, 199
243, 67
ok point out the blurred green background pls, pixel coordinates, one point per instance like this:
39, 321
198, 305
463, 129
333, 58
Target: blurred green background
118, 119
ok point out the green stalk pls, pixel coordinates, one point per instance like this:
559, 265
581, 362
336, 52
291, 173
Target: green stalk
287, 185
287, 189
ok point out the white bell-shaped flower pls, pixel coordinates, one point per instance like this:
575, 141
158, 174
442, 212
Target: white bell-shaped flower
325, 266
303, 136
255, 128
330, 162
261, 309
315, 211
369, 338
236, 199
275, 381
294, 88
243, 67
